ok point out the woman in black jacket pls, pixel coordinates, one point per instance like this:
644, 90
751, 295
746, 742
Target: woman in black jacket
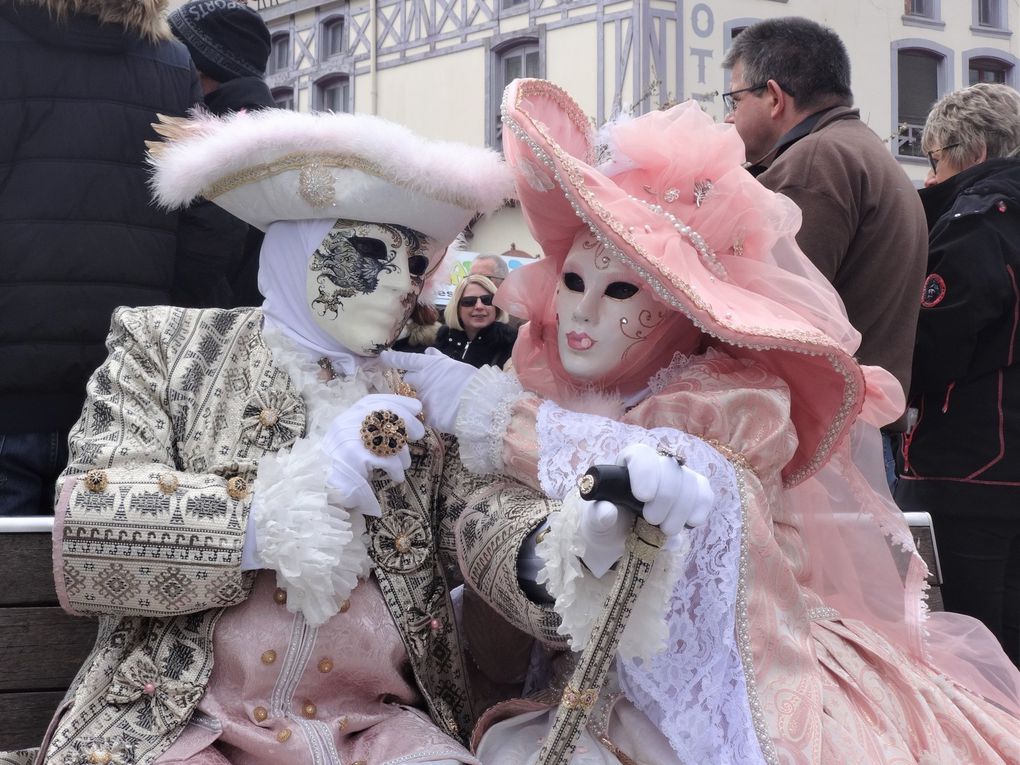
961, 459
476, 331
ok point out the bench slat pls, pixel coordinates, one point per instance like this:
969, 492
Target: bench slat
26, 567
42, 648
25, 717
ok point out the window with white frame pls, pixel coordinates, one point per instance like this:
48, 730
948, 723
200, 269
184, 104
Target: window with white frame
991, 13
334, 95
333, 37
279, 56
988, 70
284, 98
521, 60
918, 88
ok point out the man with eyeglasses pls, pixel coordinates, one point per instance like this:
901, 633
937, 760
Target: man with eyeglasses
863, 227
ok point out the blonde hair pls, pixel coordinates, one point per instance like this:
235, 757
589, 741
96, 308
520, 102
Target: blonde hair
452, 311
983, 116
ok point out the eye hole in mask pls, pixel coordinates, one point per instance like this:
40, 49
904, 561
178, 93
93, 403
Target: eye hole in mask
417, 265
621, 290
368, 247
573, 282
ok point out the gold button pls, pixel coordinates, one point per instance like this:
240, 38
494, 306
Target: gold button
168, 483
283, 736
343, 723
268, 657
96, 481
309, 710
237, 487
280, 596
100, 757
402, 543
268, 417
325, 666
345, 606
260, 714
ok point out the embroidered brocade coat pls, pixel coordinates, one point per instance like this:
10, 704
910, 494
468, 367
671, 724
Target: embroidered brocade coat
151, 520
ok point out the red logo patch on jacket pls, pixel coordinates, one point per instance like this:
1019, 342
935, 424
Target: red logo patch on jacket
933, 291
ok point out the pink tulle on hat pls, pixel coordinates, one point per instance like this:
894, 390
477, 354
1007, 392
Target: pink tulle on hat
666, 194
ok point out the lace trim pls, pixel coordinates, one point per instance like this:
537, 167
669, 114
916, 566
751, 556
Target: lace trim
580, 595
669, 374
696, 692
317, 548
484, 414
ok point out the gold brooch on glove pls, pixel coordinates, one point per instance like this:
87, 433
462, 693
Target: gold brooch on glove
383, 433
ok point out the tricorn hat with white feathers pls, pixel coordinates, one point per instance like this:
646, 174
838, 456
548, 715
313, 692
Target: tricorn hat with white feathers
275, 165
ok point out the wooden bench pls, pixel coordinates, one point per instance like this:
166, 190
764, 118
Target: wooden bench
41, 647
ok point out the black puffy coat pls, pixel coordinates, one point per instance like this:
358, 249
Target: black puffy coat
492, 345
78, 234
966, 376
218, 254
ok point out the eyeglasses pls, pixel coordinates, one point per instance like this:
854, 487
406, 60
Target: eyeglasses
469, 302
731, 104
931, 155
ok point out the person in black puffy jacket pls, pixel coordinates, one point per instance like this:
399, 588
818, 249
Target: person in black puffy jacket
229, 43
961, 459
476, 331
84, 80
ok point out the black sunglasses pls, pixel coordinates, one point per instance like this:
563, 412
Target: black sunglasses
469, 302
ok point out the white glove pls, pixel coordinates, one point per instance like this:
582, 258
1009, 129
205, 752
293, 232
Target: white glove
352, 462
674, 496
604, 530
438, 380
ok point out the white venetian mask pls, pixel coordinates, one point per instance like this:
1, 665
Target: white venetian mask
603, 311
364, 280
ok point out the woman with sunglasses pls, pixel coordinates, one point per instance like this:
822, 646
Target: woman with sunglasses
476, 331
959, 461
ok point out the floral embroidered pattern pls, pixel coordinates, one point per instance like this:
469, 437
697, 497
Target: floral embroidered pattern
401, 542
273, 420
169, 701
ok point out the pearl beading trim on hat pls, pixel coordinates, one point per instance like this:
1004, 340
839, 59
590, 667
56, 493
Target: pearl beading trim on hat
576, 185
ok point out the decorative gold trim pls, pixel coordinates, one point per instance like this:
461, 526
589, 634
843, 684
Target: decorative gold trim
733, 456
580, 698
300, 160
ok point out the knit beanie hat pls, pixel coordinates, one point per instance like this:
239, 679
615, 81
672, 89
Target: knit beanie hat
226, 39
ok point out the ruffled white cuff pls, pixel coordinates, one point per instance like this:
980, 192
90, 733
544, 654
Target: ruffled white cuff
580, 595
317, 549
486, 406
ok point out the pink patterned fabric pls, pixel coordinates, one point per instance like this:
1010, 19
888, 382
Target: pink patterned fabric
842, 661
353, 671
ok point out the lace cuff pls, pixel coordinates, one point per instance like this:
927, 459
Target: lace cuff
317, 549
483, 418
580, 595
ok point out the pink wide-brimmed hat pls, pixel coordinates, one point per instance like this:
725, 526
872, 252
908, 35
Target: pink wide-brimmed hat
667, 195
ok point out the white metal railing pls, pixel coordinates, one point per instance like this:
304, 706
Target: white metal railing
908, 140
27, 524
